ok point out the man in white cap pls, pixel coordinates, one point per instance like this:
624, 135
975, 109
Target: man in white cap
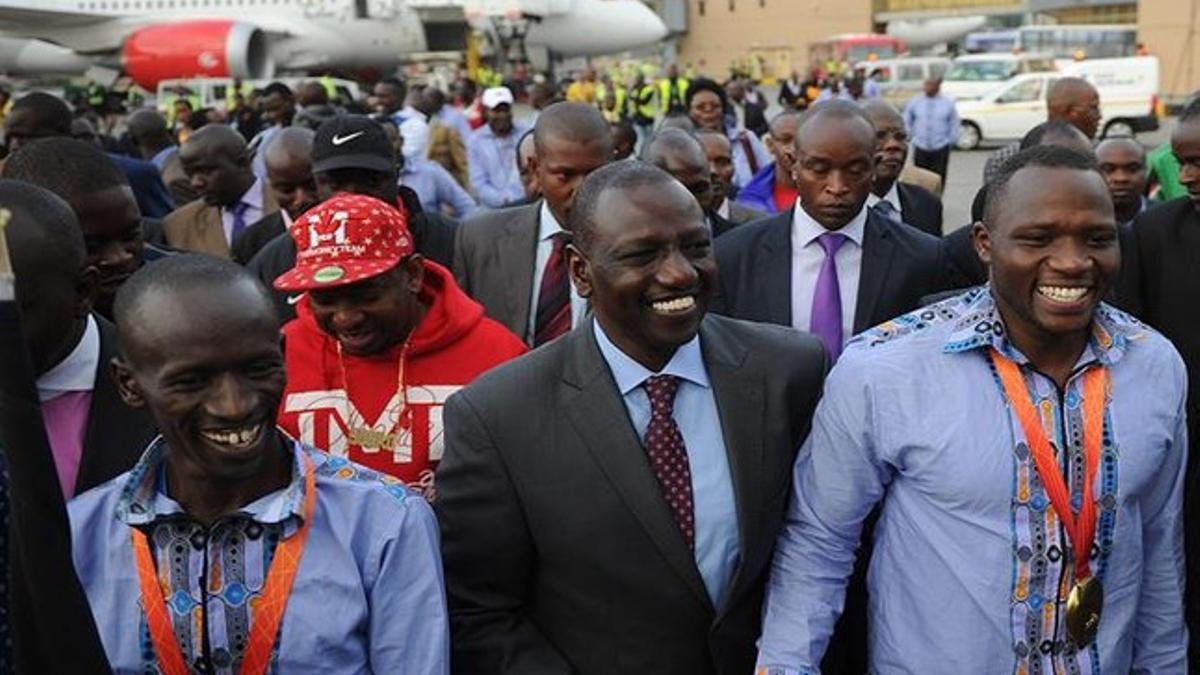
492, 152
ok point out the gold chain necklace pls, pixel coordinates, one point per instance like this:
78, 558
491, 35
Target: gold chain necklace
366, 436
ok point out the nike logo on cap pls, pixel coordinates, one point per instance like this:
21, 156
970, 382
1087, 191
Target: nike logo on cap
339, 140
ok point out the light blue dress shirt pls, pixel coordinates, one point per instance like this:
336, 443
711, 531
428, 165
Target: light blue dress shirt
971, 569
743, 173
696, 415
455, 119
368, 595
436, 187
492, 161
932, 121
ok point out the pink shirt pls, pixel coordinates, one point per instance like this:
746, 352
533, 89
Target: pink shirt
65, 417
66, 394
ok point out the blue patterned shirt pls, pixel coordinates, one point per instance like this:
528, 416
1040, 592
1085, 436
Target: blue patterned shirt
368, 596
971, 568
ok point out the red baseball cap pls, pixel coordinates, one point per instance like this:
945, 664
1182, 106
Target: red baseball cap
345, 239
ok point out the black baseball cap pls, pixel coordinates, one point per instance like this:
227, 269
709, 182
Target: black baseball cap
351, 142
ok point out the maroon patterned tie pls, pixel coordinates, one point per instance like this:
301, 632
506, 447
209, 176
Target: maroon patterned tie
553, 316
668, 455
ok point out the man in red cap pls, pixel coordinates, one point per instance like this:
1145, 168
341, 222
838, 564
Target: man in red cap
381, 339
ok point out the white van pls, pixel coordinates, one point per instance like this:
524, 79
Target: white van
1128, 90
974, 75
902, 78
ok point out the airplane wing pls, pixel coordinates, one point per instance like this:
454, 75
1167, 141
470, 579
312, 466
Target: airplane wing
20, 16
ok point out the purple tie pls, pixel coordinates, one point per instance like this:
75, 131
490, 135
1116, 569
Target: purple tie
826, 318
239, 221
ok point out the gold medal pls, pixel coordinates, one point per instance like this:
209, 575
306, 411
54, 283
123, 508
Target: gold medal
1084, 606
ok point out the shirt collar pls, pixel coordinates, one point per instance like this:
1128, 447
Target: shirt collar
980, 326
144, 499
687, 363
77, 372
548, 225
805, 230
892, 197
252, 197
723, 209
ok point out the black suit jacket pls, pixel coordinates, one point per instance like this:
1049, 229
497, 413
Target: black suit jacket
494, 256
116, 434
920, 208
1160, 286
899, 266
257, 236
561, 555
719, 225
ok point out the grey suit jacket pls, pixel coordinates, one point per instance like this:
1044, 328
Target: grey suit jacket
494, 255
561, 554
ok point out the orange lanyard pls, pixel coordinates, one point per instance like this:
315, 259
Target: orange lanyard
1080, 529
267, 612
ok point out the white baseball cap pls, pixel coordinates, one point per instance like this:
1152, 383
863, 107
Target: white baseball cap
495, 96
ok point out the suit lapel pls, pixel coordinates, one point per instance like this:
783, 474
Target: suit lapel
212, 232
776, 273
597, 413
878, 247
740, 409
516, 251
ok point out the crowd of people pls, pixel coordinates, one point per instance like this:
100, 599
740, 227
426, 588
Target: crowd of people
437, 387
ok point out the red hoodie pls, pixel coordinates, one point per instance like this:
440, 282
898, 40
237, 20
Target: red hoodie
452, 345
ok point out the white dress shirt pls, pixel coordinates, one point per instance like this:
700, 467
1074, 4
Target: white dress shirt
892, 197
807, 258
253, 214
548, 227
77, 372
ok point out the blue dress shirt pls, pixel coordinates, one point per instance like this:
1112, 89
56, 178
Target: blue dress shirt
455, 119
493, 166
971, 568
368, 596
932, 121
743, 172
436, 187
696, 416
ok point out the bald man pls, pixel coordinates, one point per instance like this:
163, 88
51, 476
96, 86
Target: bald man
680, 154
772, 189
288, 158
216, 161
152, 136
513, 260
1071, 99
890, 196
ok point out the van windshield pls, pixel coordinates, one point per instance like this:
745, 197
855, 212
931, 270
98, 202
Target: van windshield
981, 71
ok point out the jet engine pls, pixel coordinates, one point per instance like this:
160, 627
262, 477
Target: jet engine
202, 48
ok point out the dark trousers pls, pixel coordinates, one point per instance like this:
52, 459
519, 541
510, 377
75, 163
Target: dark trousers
934, 160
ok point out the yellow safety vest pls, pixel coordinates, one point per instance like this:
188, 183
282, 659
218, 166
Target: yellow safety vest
673, 94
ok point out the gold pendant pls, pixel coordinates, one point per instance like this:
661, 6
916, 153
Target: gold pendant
370, 439
1084, 606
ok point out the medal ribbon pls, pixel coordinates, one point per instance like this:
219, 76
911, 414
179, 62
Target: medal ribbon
1081, 529
267, 613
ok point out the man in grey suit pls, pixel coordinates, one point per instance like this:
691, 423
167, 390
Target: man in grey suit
609, 503
513, 260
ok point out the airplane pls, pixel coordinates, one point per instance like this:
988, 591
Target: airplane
155, 40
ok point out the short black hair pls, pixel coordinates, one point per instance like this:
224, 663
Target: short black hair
1191, 110
1049, 128
47, 214
176, 273
704, 84
397, 84
571, 121
277, 88
1039, 156
836, 109
65, 166
53, 115
669, 140
619, 175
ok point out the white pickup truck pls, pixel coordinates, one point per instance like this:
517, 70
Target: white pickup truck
1128, 90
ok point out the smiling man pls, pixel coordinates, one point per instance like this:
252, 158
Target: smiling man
958, 419
230, 547
608, 502
890, 196
382, 338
